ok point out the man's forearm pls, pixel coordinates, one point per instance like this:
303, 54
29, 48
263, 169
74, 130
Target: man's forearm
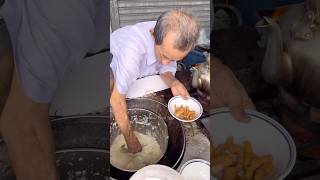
217, 67
168, 78
32, 156
119, 110
222, 71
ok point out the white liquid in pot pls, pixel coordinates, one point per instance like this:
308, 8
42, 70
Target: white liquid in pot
122, 159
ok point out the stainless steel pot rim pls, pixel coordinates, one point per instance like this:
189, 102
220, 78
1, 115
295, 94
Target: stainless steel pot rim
78, 116
82, 150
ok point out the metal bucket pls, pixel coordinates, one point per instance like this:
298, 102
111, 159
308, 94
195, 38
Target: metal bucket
176, 140
145, 122
81, 143
82, 147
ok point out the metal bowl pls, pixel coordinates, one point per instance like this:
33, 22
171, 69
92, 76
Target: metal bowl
145, 122
176, 141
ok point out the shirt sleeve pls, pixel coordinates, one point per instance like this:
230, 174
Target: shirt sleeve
47, 44
172, 67
125, 67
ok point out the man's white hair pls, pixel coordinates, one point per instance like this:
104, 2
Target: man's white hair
183, 24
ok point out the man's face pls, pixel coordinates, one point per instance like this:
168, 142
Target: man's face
166, 53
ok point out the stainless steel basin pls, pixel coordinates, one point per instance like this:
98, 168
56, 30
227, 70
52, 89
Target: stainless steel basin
176, 141
82, 149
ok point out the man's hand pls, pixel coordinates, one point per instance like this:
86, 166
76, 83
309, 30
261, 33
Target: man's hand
228, 91
177, 88
133, 143
119, 110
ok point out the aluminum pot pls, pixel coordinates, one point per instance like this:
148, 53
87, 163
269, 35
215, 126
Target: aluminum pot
145, 122
176, 140
81, 143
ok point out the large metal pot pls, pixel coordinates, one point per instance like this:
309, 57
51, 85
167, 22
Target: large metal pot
82, 147
176, 141
145, 122
81, 144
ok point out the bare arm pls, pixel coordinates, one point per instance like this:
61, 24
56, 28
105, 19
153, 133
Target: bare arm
228, 91
217, 66
32, 156
119, 110
168, 78
176, 86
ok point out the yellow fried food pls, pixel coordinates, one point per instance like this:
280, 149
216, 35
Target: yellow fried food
227, 147
248, 153
225, 161
222, 149
238, 177
222, 156
184, 112
239, 162
264, 171
256, 163
230, 141
230, 173
236, 149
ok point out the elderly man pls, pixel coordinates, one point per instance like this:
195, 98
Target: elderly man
149, 48
48, 38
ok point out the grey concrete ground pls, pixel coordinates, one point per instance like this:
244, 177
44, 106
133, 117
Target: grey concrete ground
197, 144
